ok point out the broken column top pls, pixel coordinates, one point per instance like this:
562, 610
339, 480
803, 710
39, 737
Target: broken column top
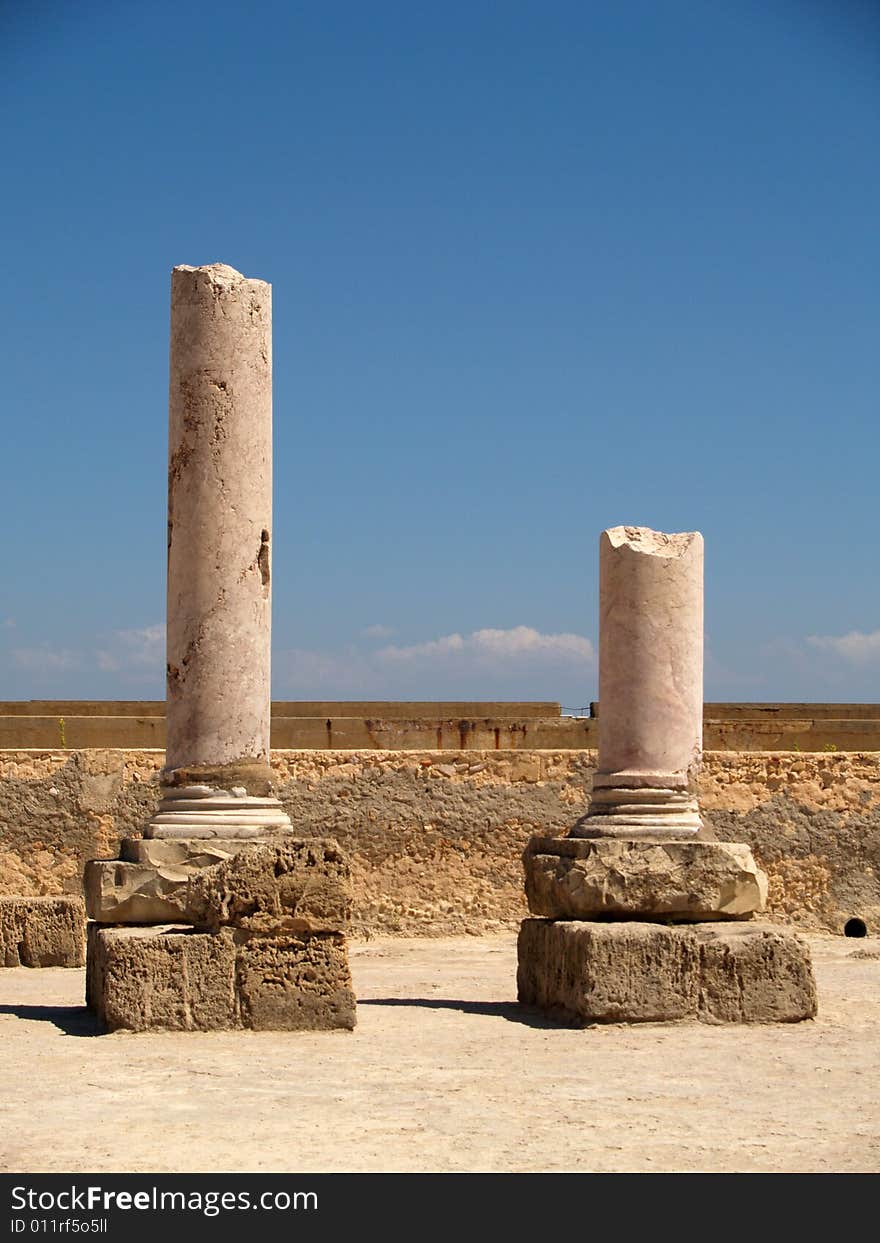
220, 271
220, 274
654, 543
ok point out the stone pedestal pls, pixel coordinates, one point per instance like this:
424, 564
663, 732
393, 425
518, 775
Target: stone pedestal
571, 878
651, 973
280, 885
650, 686
177, 979
265, 947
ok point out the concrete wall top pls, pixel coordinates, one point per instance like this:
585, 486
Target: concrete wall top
791, 712
376, 709
404, 710
782, 711
438, 710
82, 707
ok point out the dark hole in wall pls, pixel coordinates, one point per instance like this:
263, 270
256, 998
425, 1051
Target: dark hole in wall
855, 928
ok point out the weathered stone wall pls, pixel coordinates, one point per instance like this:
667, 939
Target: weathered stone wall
435, 838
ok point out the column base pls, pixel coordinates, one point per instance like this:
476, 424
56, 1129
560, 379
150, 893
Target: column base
201, 811
641, 805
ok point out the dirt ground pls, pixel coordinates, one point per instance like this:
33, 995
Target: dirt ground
445, 1073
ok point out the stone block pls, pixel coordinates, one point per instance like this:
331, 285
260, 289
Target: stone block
42, 931
190, 852
583, 878
754, 974
161, 979
287, 887
641, 972
295, 983
135, 893
177, 979
149, 884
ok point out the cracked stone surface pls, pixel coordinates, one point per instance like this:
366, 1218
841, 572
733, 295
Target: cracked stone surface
572, 878
295, 983
287, 887
161, 978
291, 886
117, 892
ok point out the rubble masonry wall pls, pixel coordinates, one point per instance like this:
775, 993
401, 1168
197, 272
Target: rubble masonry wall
435, 837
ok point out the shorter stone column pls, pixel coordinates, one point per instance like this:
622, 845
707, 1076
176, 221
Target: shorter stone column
650, 686
643, 923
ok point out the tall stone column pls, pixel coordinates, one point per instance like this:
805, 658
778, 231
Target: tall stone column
650, 686
217, 779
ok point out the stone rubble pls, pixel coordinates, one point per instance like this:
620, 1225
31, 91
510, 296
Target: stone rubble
42, 932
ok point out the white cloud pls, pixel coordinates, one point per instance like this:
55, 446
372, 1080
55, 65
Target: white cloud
522, 640
520, 662
430, 650
520, 644
856, 648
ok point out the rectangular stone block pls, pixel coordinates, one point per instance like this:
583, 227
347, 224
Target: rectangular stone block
135, 893
177, 979
291, 886
161, 979
191, 852
754, 974
150, 883
295, 983
42, 931
588, 878
632, 972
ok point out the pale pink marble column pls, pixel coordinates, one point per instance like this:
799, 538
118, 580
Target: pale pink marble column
217, 777
650, 686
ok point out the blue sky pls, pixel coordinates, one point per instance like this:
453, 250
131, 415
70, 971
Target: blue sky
539, 268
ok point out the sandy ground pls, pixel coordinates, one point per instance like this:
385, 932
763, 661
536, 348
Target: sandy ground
445, 1073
